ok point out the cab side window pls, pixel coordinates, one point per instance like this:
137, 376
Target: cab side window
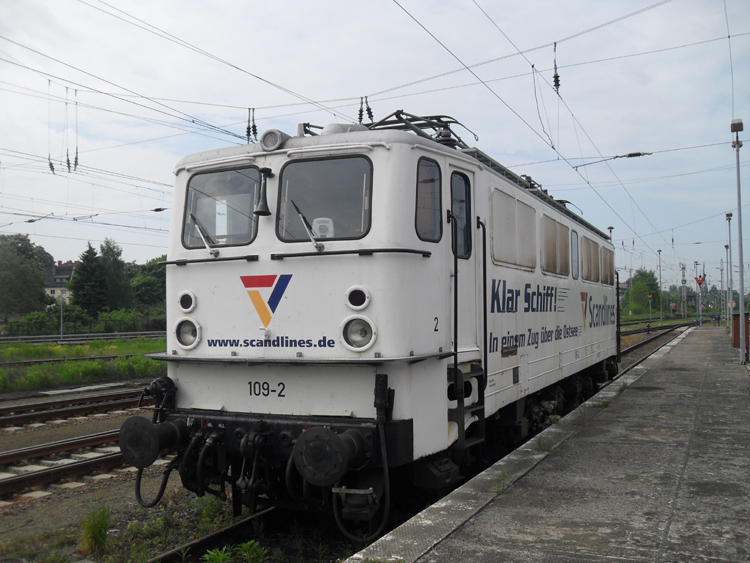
461, 212
429, 205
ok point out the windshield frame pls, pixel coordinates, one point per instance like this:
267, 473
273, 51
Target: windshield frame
292, 214
192, 241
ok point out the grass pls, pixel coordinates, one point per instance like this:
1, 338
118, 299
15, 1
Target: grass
582, 415
50, 547
16, 351
501, 485
178, 520
622, 388
544, 444
94, 526
45, 376
603, 404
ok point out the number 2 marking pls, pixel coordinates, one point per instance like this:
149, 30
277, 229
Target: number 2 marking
436, 324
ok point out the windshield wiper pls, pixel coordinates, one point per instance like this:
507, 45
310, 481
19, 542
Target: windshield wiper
308, 229
205, 237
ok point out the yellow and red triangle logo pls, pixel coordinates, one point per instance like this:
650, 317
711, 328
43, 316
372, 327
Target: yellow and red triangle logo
265, 309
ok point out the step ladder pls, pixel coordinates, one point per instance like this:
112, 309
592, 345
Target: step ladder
458, 414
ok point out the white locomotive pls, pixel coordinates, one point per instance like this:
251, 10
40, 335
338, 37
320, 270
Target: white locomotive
358, 298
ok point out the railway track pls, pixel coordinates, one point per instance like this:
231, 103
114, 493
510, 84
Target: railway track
651, 329
15, 415
18, 474
658, 340
205, 543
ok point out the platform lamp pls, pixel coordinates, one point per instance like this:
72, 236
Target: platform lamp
736, 128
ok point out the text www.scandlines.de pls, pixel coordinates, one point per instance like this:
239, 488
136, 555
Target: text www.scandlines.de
278, 342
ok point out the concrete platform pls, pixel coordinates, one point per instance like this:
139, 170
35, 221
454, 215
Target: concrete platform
657, 471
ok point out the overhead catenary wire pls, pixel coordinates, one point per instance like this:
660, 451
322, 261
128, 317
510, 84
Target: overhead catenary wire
174, 39
354, 99
632, 200
96, 170
523, 120
538, 47
182, 127
180, 115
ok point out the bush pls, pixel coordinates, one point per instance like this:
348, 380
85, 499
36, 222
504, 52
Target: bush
138, 366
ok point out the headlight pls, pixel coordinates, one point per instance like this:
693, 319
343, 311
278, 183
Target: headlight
188, 333
187, 301
358, 333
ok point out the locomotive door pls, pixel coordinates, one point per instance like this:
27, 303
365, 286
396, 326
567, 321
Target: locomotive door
462, 243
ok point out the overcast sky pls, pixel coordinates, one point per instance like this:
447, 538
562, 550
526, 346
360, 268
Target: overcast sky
135, 86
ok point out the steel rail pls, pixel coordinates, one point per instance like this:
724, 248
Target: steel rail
655, 328
100, 397
643, 343
203, 543
76, 410
67, 359
72, 444
52, 474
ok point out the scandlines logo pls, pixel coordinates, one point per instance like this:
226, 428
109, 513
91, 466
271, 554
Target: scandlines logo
265, 309
584, 297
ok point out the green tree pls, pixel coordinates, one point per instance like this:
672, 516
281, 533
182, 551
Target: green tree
150, 285
89, 284
642, 284
27, 249
21, 280
119, 290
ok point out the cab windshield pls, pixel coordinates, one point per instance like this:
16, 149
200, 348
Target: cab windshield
220, 208
333, 195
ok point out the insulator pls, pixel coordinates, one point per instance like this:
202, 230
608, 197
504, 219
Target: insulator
67, 158
254, 127
369, 110
75, 161
51, 166
556, 79
361, 112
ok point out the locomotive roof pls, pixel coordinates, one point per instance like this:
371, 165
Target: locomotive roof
398, 127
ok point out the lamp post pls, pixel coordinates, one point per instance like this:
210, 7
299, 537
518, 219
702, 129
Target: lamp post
736, 145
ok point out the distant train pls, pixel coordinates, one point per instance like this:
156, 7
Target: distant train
358, 298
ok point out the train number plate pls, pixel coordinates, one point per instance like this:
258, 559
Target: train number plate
266, 389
